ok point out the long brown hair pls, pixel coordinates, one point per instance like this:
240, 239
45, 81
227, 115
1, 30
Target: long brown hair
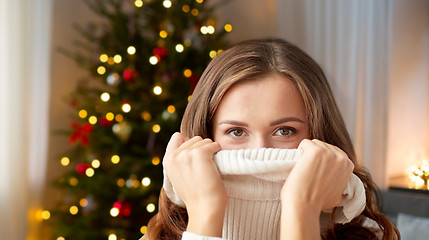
252, 60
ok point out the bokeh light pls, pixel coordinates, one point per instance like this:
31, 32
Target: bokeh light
157, 90
131, 50
65, 161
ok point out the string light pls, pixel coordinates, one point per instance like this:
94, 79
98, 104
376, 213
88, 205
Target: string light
212, 53
126, 107
156, 128
111, 61
187, 73
95, 163
105, 97
138, 3
115, 159
157, 90
163, 34
199, 1
167, 3
153, 60
119, 117
419, 175
112, 237
179, 48
195, 12
73, 210
146, 181
104, 58
207, 30
117, 58
143, 229
186, 8
150, 207
110, 116
135, 183
129, 183
89, 172
101, 70
83, 113
210, 29
146, 116
65, 161
113, 79
171, 109
45, 215
116, 128
204, 30
166, 115
131, 50
61, 238
132, 182
189, 98
155, 161
228, 27
92, 120
114, 212
83, 202
120, 182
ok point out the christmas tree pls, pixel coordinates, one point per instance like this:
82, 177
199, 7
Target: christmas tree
144, 58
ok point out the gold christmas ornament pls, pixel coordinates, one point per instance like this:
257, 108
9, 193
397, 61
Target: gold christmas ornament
122, 130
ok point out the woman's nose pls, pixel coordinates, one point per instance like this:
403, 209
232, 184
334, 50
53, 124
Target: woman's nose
261, 142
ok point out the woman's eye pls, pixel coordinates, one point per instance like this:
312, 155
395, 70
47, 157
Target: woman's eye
284, 132
236, 132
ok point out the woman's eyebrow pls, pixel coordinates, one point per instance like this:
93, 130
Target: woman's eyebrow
233, 122
286, 119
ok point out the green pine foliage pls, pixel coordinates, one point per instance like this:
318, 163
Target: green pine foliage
143, 59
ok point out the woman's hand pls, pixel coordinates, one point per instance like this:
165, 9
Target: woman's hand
189, 165
319, 177
316, 183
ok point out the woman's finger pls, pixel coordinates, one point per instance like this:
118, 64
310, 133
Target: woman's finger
207, 144
188, 144
176, 140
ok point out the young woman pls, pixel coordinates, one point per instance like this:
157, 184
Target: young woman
264, 94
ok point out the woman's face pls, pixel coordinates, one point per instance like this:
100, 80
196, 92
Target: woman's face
263, 113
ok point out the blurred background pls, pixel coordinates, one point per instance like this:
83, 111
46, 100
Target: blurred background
374, 53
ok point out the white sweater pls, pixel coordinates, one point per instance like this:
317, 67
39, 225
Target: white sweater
253, 179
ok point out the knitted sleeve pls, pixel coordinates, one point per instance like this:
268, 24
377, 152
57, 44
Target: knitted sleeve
193, 236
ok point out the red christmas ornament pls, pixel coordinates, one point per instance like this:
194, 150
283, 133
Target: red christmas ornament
105, 123
81, 168
87, 128
118, 205
81, 133
130, 74
126, 210
160, 53
123, 207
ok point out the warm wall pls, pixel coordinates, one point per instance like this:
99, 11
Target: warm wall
249, 18
408, 113
64, 74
